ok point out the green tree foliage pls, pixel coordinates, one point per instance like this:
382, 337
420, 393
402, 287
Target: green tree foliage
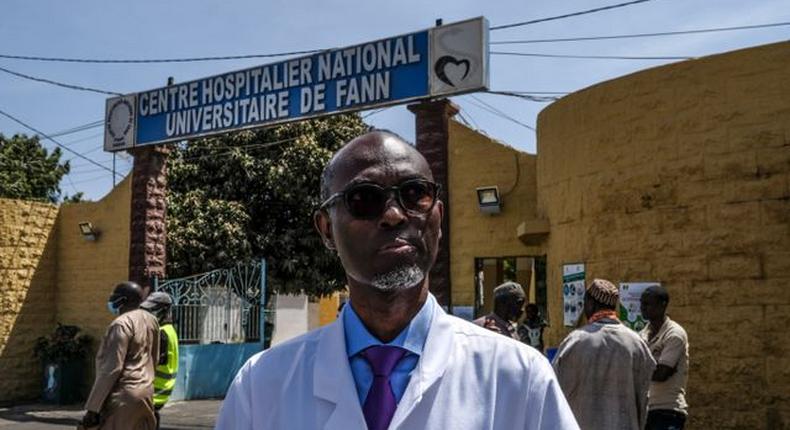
252, 194
28, 170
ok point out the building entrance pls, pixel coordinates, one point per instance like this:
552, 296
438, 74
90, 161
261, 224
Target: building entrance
528, 271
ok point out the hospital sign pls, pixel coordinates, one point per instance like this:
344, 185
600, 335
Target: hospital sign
441, 61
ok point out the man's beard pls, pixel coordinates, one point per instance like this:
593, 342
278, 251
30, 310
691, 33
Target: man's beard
400, 278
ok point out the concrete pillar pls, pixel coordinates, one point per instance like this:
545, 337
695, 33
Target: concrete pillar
432, 131
147, 252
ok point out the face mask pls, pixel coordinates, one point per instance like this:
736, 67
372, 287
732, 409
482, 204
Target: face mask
115, 310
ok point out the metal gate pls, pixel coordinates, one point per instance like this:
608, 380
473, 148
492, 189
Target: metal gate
222, 319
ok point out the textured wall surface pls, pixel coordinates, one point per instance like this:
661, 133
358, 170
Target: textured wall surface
476, 160
680, 174
27, 293
49, 273
88, 271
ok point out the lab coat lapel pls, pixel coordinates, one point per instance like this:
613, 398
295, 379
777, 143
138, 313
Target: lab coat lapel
435, 359
333, 381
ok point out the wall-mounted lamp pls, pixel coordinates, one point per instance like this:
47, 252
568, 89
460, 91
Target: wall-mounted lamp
89, 232
488, 199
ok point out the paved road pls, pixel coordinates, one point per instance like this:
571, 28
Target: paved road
194, 414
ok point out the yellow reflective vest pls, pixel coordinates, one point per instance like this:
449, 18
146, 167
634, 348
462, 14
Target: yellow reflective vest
166, 370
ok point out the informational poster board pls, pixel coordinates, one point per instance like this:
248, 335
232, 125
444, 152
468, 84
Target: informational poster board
572, 292
630, 298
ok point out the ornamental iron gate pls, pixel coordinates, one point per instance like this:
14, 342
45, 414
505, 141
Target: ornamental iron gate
221, 306
222, 319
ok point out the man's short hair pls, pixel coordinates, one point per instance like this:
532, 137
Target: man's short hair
507, 291
658, 291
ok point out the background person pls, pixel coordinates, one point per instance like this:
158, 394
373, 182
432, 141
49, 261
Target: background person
160, 305
604, 368
531, 330
509, 299
121, 397
669, 344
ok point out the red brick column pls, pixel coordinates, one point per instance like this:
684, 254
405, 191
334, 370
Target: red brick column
147, 252
432, 119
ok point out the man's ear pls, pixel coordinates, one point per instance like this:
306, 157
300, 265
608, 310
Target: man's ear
323, 226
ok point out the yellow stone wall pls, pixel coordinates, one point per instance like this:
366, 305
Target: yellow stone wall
49, 274
27, 294
475, 160
681, 174
88, 271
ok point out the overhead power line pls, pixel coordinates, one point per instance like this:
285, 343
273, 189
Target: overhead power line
59, 84
568, 15
155, 60
637, 35
487, 107
593, 57
79, 128
34, 130
529, 97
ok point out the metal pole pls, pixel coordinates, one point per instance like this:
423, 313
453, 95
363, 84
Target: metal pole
262, 306
113, 170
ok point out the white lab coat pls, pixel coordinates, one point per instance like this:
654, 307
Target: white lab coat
467, 378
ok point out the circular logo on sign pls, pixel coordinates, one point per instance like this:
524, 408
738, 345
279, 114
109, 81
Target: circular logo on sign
120, 120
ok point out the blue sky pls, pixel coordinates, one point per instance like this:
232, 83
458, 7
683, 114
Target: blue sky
189, 28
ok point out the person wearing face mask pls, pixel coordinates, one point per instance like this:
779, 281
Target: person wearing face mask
122, 393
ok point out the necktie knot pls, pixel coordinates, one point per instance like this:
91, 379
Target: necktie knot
383, 358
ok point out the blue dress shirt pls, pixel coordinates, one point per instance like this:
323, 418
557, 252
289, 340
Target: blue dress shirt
412, 339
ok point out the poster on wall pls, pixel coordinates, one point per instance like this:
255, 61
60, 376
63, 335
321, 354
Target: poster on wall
630, 298
572, 292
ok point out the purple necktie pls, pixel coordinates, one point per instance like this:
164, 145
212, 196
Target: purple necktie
380, 404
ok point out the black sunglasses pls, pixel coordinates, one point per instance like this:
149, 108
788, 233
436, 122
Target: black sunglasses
369, 201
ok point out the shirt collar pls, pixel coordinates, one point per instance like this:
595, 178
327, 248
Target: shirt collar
412, 338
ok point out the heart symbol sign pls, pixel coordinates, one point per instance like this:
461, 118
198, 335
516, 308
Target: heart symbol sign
451, 70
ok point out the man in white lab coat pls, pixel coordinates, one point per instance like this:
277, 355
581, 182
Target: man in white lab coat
394, 359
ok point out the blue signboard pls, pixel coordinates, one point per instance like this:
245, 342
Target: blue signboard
379, 73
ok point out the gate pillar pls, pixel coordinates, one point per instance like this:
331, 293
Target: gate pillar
147, 238
433, 135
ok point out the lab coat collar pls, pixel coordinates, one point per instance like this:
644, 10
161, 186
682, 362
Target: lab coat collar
436, 357
334, 382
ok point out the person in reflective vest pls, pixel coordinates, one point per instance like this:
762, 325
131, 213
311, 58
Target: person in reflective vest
160, 304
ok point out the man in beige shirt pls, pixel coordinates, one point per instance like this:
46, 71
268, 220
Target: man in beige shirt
509, 299
604, 368
668, 343
122, 394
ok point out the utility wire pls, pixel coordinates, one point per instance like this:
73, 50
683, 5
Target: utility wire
59, 84
529, 97
78, 129
487, 107
157, 60
568, 15
369, 114
33, 129
593, 57
630, 36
